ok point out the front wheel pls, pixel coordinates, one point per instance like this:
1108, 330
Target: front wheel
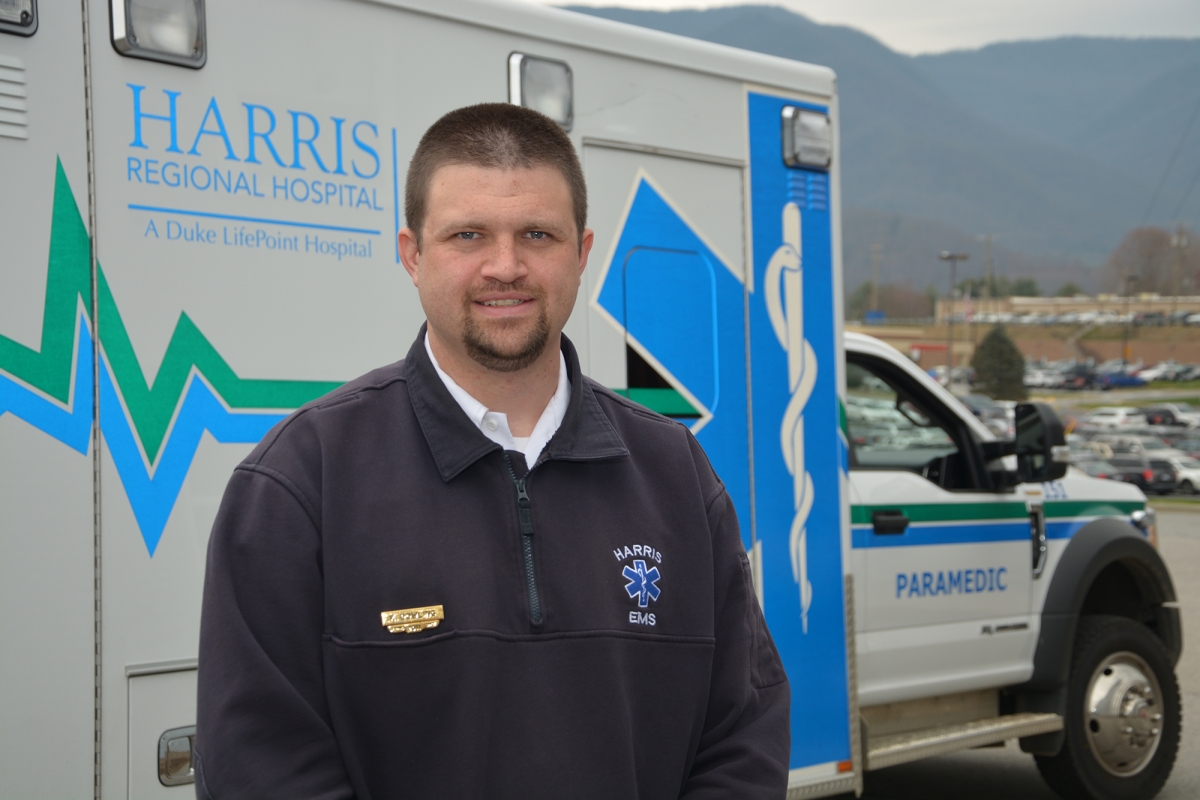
1187, 487
1123, 715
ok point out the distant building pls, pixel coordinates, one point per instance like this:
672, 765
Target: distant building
985, 310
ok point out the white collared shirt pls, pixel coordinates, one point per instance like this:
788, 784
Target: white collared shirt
494, 424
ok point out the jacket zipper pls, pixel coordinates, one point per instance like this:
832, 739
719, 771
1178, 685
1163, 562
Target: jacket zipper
525, 518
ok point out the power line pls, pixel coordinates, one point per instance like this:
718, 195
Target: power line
1186, 195
1179, 149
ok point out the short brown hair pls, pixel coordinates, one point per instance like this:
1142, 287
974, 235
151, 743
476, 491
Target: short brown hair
495, 136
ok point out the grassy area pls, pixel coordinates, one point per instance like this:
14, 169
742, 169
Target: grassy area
1173, 385
1174, 503
1065, 399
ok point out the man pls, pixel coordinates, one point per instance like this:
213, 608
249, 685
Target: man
476, 573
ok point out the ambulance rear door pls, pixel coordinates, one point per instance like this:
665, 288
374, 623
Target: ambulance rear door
47, 586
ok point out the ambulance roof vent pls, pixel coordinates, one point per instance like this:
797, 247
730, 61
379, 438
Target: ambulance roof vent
19, 17
14, 110
171, 31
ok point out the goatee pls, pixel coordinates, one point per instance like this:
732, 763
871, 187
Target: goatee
487, 353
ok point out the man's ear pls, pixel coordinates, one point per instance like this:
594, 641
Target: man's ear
410, 252
585, 247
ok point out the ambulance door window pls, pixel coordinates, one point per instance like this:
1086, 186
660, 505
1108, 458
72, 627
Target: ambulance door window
892, 427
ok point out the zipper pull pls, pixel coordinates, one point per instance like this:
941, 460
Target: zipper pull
524, 509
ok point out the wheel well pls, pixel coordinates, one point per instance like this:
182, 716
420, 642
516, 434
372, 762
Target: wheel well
1107, 568
1115, 591
1127, 588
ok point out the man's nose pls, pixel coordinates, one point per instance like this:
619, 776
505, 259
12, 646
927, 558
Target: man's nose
505, 264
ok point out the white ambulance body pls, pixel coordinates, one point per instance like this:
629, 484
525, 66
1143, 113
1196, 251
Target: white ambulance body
198, 208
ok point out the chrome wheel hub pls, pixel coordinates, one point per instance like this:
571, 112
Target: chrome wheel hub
1123, 714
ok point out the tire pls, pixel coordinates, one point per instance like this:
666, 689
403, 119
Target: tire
1100, 761
1187, 487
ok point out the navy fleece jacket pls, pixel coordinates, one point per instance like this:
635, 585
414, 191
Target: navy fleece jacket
609, 647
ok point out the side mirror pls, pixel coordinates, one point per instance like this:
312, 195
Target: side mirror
1042, 454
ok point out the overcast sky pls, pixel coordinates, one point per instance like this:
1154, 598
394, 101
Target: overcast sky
932, 26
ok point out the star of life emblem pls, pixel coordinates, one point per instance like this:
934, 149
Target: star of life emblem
642, 582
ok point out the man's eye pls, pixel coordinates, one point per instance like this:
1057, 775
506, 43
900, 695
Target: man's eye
467, 236
536, 234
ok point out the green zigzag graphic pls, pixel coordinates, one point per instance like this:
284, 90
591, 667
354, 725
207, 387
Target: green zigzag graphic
151, 406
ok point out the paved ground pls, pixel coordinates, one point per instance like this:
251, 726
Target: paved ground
1007, 773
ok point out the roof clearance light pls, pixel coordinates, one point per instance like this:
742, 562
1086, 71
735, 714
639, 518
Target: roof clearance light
171, 31
807, 138
542, 84
18, 16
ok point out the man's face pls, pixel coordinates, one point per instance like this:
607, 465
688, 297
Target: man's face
499, 264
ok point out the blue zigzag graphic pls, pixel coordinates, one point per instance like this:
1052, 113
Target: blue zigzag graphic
153, 496
152, 492
71, 427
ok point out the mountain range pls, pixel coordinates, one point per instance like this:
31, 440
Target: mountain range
1056, 148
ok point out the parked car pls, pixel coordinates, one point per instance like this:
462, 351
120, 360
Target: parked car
1163, 371
1151, 475
1044, 379
1136, 444
1187, 473
1099, 468
1114, 418
1188, 445
1118, 380
1183, 413
993, 414
1086, 450
1078, 376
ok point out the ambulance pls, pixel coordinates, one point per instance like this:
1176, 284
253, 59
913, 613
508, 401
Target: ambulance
199, 202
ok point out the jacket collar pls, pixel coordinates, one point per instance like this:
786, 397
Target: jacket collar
584, 435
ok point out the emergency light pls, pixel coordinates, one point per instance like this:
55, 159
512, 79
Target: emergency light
18, 16
807, 138
542, 84
171, 31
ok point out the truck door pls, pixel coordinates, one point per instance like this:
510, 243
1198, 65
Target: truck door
948, 560
46, 394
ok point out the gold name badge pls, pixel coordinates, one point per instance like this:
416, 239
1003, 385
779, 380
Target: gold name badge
413, 620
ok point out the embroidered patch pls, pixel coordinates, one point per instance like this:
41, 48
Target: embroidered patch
642, 582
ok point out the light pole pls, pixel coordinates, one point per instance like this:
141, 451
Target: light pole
986, 294
953, 258
1179, 243
876, 256
1130, 280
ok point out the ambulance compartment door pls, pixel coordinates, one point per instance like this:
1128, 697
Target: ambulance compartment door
667, 327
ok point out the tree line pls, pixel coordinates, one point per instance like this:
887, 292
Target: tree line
1148, 259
